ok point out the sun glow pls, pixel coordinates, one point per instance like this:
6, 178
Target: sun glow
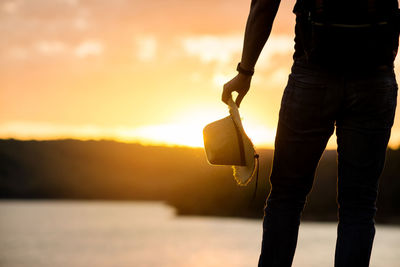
187, 131
154, 78
188, 134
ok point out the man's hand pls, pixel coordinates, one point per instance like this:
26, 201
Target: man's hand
240, 84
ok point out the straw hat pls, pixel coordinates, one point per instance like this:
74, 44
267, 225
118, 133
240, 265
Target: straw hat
226, 143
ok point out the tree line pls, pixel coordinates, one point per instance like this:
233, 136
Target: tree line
179, 176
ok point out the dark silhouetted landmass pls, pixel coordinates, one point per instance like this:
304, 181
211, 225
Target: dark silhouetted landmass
180, 176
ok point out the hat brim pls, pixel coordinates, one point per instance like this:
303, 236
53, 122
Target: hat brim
243, 174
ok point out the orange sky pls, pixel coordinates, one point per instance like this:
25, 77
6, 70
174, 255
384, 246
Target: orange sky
147, 71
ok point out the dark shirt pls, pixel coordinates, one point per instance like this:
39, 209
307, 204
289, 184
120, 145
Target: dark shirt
345, 33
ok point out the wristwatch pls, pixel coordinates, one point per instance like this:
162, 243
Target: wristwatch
243, 71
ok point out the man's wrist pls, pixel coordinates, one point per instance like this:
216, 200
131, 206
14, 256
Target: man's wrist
244, 71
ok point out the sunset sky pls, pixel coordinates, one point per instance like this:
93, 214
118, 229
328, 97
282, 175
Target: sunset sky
135, 70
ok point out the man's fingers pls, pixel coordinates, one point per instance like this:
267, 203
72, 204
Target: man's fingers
226, 94
237, 84
239, 99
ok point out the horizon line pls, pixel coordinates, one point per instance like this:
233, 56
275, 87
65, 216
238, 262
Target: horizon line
137, 142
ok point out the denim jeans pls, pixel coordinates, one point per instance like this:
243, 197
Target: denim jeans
361, 105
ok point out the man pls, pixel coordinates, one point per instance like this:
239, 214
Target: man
342, 77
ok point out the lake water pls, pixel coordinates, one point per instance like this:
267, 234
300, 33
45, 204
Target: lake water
148, 234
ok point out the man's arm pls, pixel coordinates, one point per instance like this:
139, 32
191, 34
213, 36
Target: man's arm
258, 28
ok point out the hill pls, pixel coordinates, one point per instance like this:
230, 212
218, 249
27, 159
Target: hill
180, 176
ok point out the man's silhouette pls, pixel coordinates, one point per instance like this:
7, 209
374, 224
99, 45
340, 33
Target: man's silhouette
342, 77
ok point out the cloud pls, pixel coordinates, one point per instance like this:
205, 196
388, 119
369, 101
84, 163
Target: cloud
277, 45
81, 23
89, 48
213, 48
56, 48
17, 52
71, 2
279, 77
50, 47
220, 79
10, 7
224, 49
146, 47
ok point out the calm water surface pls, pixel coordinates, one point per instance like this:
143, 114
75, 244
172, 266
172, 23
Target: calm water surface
148, 234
